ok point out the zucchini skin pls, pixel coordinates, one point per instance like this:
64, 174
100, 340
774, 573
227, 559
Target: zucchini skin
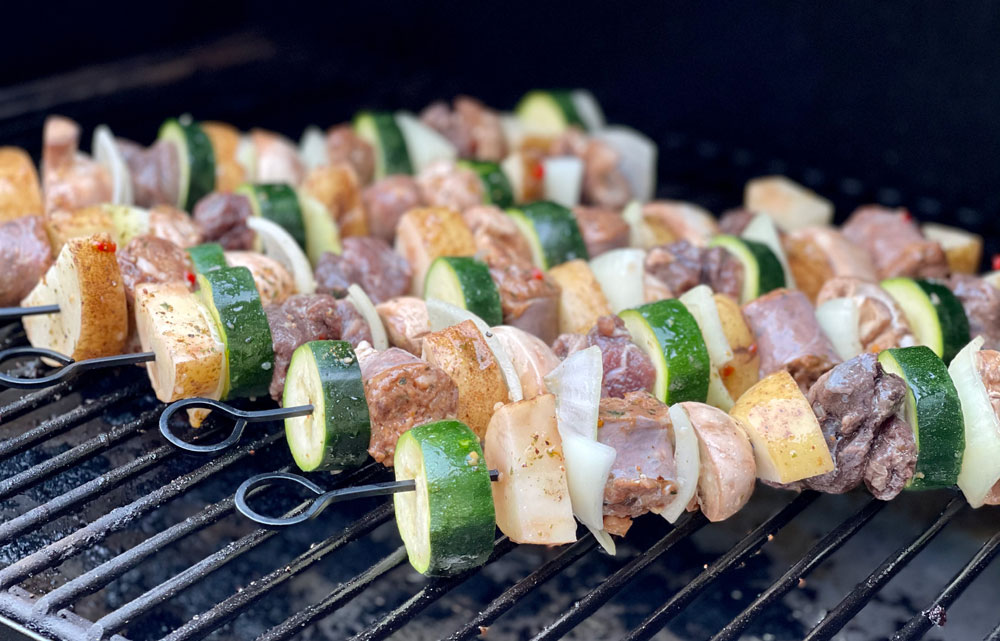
682, 349
951, 317
940, 429
207, 257
200, 158
462, 522
278, 203
392, 155
497, 188
557, 231
232, 297
345, 417
478, 289
771, 275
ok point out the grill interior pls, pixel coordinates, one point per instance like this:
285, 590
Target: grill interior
109, 531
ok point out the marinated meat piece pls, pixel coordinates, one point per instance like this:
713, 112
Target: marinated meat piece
172, 224
604, 184
789, 337
365, 261
277, 159
881, 322
529, 299
222, 218
676, 220
25, 255
643, 476
626, 367
735, 221
353, 327
895, 243
981, 302
853, 402
402, 392
445, 184
300, 319
274, 282
148, 259
439, 117
817, 254
892, 460
472, 127
386, 201
602, 229
336, 186
406, 322
343, 145
681, 266
70, 180
497, 238
155, 172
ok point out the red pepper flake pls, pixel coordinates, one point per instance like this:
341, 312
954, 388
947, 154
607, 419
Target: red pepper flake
189, 277
996, 262
907, 216
106, 246
538, 171
537, 273
727, 371
752, 349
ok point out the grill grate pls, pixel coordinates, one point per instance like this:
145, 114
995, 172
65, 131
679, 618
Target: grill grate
47, 613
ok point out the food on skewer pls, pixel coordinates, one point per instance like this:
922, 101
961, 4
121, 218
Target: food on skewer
25, 254
817, 255
791, 205
20, 189
70, 179
895, 243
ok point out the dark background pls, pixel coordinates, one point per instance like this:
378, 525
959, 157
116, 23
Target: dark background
882, 101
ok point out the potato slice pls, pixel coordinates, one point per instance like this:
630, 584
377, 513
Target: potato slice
462, 352
428, 233
582, 300
791, 205
20, 190
787, 440
739, 374
86, 284
962, 248
531, 496
337, 187
225, 139
817, 254
62, 225
190, 357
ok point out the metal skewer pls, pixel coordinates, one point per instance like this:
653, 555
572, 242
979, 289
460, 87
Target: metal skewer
13, 313
323, 498
68, 367
242, 417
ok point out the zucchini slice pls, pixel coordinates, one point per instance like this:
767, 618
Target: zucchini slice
278, 203
207, 257
335, 436
762, 271
322, 232
380, 130
465, 282
197, 160
548, 112
934, 313
552, 232
669, 334
232, 299
447, 524
934, 412
497, 189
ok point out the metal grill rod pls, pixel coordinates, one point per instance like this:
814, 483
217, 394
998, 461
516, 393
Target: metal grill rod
393, 621
114, 621
522, 588
343, 594
52, 466
122, 517
864, 591
921, 622
232, 606
687, 525
816, 554
28, 402
736, 555
69, 420
994, 635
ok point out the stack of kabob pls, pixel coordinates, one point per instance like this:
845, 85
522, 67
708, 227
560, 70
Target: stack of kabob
606, 355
